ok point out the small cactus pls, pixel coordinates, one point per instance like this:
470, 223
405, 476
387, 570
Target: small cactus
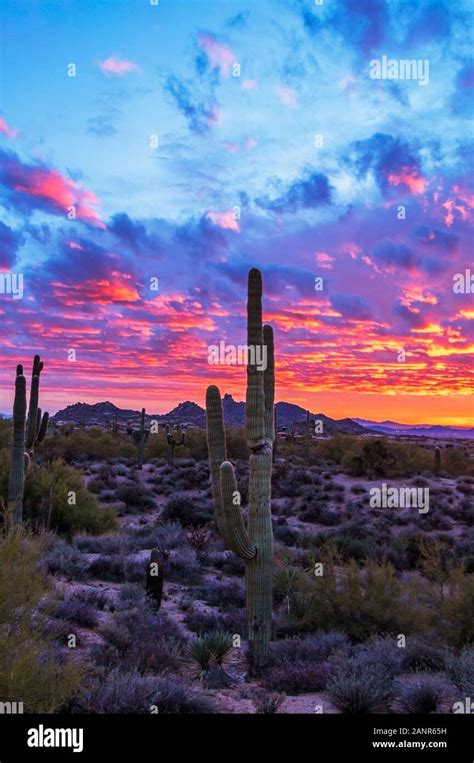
155, 569
28, 432
174, 441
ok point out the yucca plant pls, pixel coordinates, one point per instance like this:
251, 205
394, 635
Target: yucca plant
210, 652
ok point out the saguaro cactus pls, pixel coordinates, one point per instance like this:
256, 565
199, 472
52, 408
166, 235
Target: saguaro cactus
253, 544
140, 437
27, 433
437, 460
155, 568
174, 441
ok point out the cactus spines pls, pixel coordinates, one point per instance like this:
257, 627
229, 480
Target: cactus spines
174, 441
253, 544
155, 575
437, 460
27, 432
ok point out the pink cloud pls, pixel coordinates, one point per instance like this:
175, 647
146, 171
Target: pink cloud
251, 143
45, 188
224, 220
287, 96
324, 260
249, 84
6, 130
220, 56
118, 66
409, 177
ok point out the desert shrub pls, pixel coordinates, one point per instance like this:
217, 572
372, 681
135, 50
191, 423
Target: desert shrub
201, 622
92, 444
315, 648
456, 608
189, 512
228, 562
122, 691
142, 639
130, 596
383, 651
460, 668
298, 677
267, 703
103, 544
285, 534
423, 694
360, 602
183, 566
135, 497
285, 582
108, 568
29, 671
224, 594
61, 558
353, 548
421, 655
49, 491
360, 686
165, 535
75, 610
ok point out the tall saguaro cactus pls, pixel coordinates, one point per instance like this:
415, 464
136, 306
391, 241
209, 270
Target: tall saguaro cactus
27, 433
254, 543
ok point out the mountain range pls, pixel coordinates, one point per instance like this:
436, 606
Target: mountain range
191, 413
418, 430
288, 414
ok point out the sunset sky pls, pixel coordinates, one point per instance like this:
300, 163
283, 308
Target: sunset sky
199, 138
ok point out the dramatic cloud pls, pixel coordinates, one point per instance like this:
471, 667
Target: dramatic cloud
34, 186
391, 160
310, 191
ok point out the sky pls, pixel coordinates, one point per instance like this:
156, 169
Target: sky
151, 153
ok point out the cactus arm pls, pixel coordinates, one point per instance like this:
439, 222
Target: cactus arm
269, 384
235, 531
32, 423
17, 470
254, 406
43, 428
217, 454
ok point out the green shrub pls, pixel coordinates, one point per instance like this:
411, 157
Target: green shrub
29, 672
56, 498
